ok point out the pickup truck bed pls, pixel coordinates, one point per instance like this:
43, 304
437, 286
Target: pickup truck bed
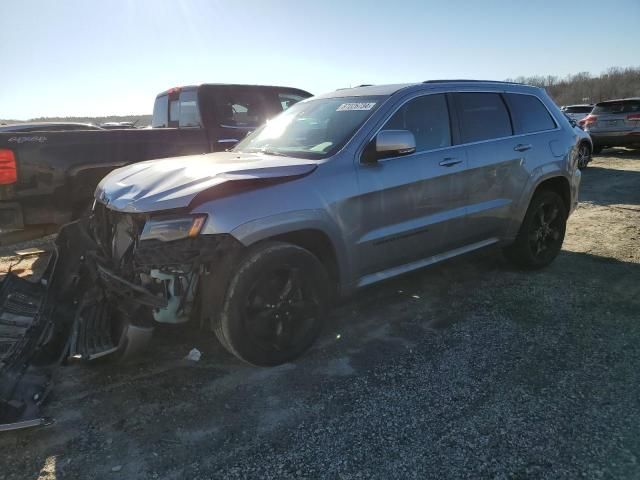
58, 171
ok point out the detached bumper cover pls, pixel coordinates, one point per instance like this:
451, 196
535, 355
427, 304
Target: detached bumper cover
25, 327
71, 311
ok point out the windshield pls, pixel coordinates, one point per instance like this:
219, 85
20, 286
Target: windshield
313, 128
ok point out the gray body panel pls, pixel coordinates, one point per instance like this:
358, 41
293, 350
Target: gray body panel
382, 219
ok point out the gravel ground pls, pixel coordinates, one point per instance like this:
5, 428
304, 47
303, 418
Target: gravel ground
470, 369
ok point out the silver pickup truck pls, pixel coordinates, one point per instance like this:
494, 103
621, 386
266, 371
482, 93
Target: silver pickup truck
338, 192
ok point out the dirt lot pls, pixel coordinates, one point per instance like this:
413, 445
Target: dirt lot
466, 370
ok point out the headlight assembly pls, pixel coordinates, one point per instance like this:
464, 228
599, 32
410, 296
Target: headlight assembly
167, 229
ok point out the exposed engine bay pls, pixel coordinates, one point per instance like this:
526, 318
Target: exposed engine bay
113, 276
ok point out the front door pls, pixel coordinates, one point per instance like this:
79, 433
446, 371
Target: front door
412, 206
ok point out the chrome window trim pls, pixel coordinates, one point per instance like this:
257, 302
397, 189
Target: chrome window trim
479, 142
239, 127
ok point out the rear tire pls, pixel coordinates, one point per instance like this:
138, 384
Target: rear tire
274, 306
584, 155
542, 232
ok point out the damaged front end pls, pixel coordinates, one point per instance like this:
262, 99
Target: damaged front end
113, 276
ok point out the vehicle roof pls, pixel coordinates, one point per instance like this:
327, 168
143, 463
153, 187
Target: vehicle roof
262, 87
385, 90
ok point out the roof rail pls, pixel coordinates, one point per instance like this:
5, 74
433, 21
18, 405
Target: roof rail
467, 80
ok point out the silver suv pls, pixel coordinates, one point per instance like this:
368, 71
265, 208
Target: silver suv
614, 123
340, 191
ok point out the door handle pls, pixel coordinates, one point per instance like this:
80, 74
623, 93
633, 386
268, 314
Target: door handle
449, 162
522, 147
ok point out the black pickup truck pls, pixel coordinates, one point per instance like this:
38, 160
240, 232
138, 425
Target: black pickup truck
48, 177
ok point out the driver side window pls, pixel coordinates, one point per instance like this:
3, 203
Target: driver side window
427, 117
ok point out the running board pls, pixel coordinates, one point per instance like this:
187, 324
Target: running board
425, 262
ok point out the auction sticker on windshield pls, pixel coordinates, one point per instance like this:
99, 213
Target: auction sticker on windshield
355, 106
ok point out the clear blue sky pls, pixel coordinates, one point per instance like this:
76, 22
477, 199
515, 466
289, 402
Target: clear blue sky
76, 57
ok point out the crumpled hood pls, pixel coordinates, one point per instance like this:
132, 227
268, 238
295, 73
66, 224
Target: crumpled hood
173, 182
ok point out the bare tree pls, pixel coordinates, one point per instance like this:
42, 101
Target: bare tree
582, 87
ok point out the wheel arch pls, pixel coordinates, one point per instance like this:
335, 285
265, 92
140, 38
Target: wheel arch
558, 184
311, 230
554, 181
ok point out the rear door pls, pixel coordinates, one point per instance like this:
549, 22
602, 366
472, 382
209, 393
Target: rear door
177, 109
496, 157
412, 206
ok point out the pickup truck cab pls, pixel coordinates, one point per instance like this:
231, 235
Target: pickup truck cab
48, 177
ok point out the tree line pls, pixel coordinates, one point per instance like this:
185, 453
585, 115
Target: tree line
582, 87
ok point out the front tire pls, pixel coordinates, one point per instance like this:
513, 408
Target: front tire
274, 306
542, 232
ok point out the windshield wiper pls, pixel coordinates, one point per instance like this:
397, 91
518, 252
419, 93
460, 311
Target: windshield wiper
266, 151
274, 152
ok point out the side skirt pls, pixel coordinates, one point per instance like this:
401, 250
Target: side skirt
424, 262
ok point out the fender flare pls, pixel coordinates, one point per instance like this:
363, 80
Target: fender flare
289, 222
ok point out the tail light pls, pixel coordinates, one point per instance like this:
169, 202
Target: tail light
8, 173
634, 117
588, 120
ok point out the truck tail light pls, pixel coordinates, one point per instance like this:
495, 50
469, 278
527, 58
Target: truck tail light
588, 120
634, 117
8, 172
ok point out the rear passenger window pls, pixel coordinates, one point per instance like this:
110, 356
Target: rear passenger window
528, 113
483, 116
240, 108
427, 117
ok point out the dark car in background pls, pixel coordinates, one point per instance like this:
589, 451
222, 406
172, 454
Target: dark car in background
614, 123
48, 178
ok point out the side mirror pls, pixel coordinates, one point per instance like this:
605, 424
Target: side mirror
390, 143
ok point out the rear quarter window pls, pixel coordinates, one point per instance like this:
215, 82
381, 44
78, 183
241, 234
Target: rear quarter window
482, 116
528, 113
